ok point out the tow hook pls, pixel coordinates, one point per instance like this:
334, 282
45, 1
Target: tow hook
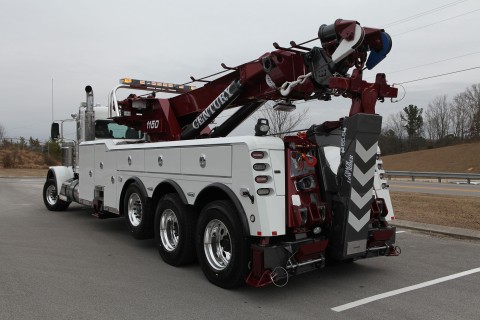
393, 251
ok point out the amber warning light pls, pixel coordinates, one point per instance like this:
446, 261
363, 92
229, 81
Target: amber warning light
157, 86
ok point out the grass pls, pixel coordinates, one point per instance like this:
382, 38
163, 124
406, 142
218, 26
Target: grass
444, 210
11, 173
23, 162
459, 158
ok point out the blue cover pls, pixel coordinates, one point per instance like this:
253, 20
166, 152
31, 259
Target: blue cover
376, 57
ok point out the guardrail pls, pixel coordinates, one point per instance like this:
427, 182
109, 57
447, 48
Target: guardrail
439, 175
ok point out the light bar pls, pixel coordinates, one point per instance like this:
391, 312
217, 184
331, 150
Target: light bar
157, 86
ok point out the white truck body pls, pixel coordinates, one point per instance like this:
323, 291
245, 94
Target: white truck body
109, 164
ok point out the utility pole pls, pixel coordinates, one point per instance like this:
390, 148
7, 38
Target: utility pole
48, 143
52, 100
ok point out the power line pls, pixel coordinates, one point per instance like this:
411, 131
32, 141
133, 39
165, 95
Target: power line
438, 75
435, 62
397, 83
437, 22
418, 15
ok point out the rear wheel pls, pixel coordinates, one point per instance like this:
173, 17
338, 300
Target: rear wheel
222, 245
137, 213
175, 230
50, 197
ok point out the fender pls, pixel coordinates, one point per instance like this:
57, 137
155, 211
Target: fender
131, 180
231, 195
165, 187
60, 174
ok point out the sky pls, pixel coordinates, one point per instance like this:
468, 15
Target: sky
79, 43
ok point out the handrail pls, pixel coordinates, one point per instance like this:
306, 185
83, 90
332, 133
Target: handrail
112, 99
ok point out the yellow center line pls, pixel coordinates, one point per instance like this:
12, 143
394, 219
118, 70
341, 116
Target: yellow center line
434, 188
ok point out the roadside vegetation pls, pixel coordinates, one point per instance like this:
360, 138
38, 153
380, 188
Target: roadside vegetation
28, 154
443, 210
457, 158
443, 122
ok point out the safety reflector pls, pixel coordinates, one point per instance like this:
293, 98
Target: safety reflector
274, 233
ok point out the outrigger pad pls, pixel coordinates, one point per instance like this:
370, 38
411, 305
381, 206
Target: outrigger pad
352, 205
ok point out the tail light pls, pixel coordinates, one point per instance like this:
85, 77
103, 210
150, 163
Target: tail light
263, 192
258, 154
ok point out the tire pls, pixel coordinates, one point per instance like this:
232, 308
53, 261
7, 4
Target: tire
50, 197
175, 230
137, 213
222, 246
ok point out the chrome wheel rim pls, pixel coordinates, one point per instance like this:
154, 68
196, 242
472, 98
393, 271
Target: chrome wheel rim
51, 195
217, 245
134, 209
169, 230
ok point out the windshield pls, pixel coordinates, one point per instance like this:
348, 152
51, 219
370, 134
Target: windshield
105, 129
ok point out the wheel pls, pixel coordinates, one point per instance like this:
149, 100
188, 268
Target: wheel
222, 246
50, 197
137, 212
175, 230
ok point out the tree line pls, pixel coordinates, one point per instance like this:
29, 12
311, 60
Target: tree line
11, 150
444, 122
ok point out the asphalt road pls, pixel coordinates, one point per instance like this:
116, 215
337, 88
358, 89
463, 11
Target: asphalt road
469, 190
69, 265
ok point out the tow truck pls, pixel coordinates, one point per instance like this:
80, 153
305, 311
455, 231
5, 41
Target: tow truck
251, 209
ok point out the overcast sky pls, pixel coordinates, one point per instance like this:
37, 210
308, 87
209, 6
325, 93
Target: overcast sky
98, 42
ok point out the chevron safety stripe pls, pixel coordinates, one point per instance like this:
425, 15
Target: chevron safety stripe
363, 178
361, 214
364, 154
361, 201
358, 224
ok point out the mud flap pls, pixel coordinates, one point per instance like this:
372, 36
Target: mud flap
352, 206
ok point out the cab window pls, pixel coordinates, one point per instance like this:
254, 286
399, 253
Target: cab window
105, 129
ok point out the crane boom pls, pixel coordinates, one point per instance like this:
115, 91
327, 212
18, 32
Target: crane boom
293, 73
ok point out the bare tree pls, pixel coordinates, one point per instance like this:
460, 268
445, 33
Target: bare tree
393, 135
437, 118
460, 116
280, 121
395, 125
472, 100
2, 132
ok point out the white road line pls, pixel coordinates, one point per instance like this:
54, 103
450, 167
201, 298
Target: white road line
403, 290
400, 232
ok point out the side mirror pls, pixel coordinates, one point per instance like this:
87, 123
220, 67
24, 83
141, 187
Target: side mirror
55, 131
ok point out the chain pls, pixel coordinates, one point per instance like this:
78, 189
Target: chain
287, 87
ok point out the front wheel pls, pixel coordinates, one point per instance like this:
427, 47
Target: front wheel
222, 245
137, 213
50, 197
